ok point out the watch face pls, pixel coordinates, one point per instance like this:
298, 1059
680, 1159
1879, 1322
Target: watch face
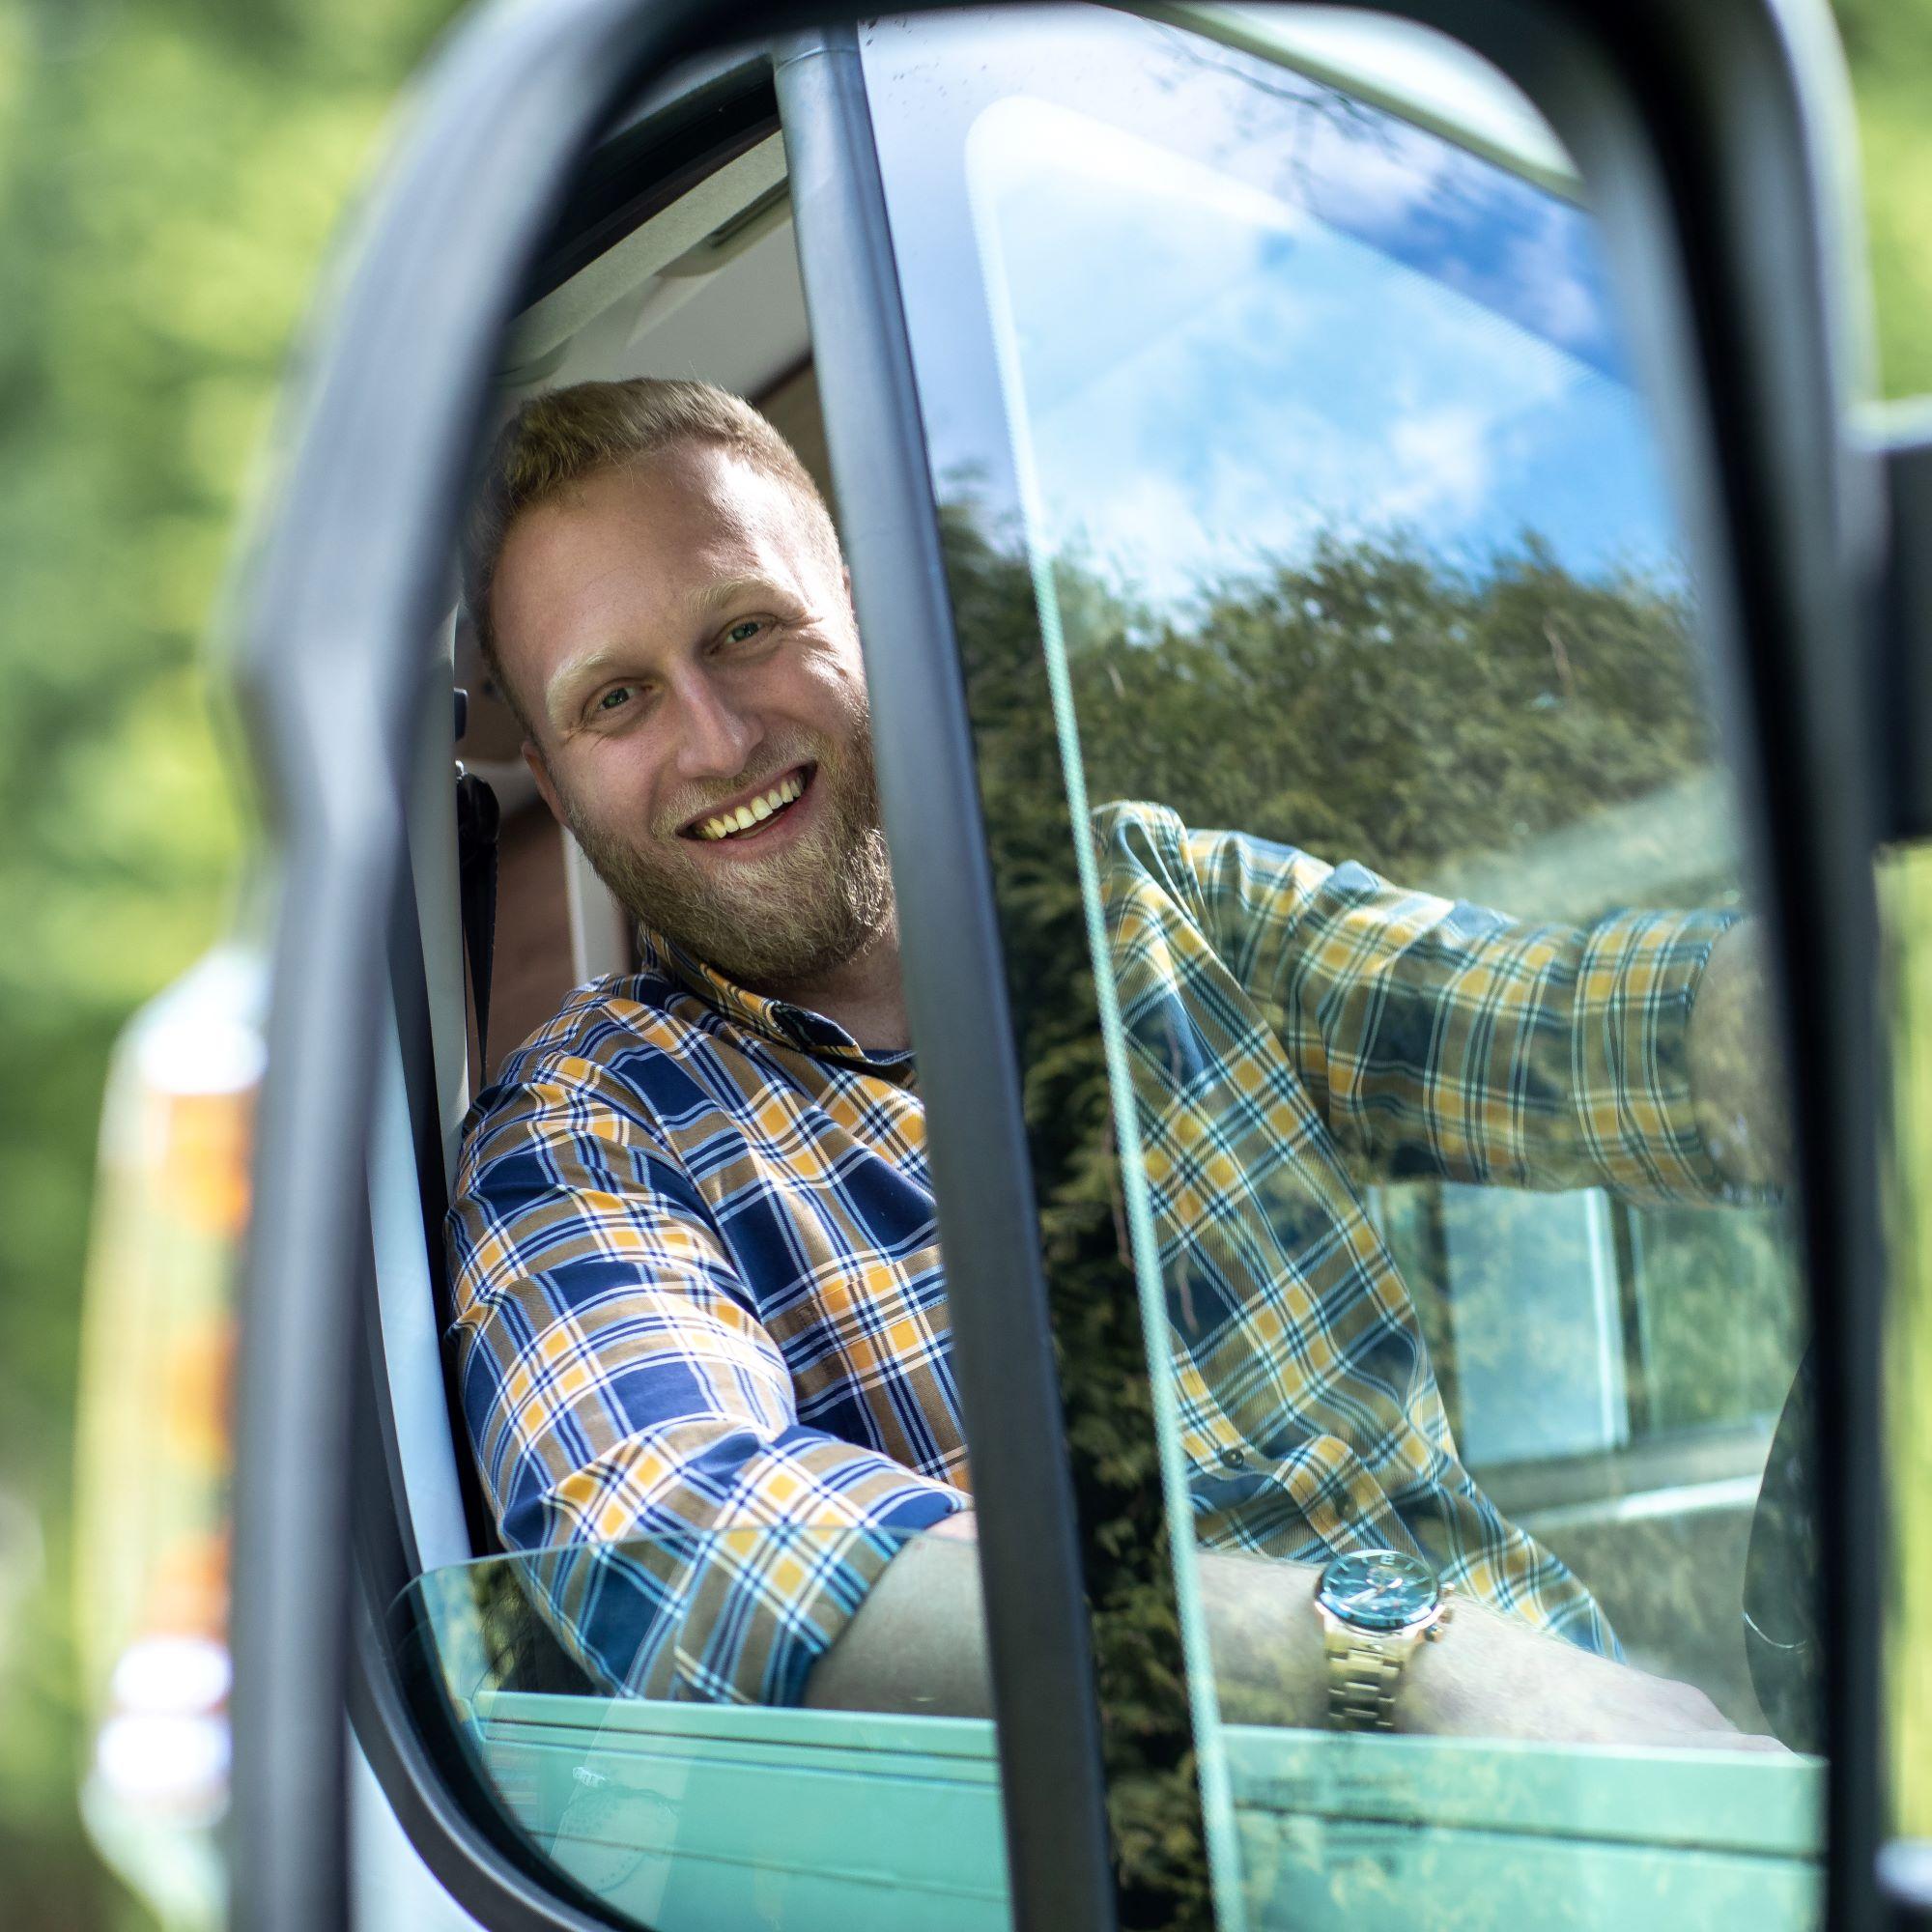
1378, 1589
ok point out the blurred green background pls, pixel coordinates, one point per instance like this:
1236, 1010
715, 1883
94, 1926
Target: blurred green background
171, 172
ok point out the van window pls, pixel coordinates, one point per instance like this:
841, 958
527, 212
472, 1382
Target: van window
1333, 656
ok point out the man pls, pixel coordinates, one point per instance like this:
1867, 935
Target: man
702, 1323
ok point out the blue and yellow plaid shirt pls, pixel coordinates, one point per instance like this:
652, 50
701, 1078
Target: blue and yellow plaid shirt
701, 1329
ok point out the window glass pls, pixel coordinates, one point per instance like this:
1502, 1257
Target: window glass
1905, 903
1331, 644
692, 1813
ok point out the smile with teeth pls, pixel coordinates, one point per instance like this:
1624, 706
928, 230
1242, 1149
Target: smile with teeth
747, 817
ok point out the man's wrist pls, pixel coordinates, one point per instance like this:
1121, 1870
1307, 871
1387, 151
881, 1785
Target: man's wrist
1447, 1683
1736, 1074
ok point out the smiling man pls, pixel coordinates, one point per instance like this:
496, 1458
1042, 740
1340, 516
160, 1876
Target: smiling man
702, 1328
724, 790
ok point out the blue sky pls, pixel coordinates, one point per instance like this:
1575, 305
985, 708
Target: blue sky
1212, 371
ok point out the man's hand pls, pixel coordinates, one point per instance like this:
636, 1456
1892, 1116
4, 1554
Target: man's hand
1737, 1072
1509, 1681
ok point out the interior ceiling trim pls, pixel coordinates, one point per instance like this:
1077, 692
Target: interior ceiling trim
547, 327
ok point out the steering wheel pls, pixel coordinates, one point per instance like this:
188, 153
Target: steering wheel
1782, 1638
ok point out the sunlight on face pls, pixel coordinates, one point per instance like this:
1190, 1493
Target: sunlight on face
702, 726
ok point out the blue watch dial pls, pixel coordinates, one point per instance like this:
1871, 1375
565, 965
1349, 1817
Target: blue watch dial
1378, 1589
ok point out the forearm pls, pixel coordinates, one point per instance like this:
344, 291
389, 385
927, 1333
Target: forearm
1737, 1073
917, 1644
919, 1641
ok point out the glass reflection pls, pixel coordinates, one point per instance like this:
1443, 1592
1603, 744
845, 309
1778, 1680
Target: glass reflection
686, 1814
1335, 673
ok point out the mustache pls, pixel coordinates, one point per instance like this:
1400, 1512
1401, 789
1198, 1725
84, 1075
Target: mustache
701, 797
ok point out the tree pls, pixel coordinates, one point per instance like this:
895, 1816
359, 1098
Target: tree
170, 175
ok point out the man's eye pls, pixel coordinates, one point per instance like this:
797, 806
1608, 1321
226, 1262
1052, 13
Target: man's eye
615, 698
744, 630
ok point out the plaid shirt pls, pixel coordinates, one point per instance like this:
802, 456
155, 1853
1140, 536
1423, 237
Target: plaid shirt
702, 1328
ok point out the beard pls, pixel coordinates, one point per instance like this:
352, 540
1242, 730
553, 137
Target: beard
804, 913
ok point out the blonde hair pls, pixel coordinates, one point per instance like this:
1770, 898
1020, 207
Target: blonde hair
556, 440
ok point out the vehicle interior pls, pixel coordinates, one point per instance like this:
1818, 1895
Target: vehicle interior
1628, 1449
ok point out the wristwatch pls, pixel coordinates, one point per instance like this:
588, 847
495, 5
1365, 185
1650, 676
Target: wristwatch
1376, 1607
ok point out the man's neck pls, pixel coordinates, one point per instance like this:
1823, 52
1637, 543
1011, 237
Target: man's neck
865, 995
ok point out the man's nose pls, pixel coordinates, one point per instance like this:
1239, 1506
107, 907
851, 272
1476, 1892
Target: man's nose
714, 738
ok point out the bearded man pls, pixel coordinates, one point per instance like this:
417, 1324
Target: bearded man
701, 1328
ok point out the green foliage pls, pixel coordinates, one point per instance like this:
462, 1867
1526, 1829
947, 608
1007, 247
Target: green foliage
169, 175
1888, 46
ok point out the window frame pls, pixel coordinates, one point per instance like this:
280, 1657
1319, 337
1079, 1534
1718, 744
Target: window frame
1703, 136
1044, 1697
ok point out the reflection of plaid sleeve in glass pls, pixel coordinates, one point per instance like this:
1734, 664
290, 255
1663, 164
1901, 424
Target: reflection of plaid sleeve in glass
620, 1391
1442, 1038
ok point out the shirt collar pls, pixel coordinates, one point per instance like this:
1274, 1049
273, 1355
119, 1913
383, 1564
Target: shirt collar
777, 1019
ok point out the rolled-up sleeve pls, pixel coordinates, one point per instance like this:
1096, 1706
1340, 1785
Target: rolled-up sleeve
636, 1425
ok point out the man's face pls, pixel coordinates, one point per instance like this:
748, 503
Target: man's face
682, 639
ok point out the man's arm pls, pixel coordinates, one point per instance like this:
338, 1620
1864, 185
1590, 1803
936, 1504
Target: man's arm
1737, 1072
1439, 1037
637, 1428
919, 1645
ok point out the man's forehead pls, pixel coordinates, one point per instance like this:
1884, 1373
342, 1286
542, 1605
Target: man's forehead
634, 558
688, 514
673, 531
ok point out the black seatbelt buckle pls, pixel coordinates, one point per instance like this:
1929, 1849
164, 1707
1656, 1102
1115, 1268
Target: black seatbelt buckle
478, 820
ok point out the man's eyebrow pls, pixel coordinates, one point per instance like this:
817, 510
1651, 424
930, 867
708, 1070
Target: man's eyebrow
570, 679
574, 676
728, 590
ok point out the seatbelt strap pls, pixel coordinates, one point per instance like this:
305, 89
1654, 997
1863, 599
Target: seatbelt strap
478, 819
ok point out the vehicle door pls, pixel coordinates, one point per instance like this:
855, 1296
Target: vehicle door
1270, 456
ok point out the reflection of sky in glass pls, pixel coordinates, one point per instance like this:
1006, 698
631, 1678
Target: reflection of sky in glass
1213, 372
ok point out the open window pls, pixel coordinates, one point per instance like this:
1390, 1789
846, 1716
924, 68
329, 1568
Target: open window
1352, 542
677, 256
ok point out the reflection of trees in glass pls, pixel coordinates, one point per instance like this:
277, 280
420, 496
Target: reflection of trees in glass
1367, 702
1097, 1323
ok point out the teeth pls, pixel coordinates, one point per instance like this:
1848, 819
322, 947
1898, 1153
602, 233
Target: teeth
743, 817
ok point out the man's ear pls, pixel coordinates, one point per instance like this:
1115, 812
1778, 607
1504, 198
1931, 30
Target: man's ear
533, 758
